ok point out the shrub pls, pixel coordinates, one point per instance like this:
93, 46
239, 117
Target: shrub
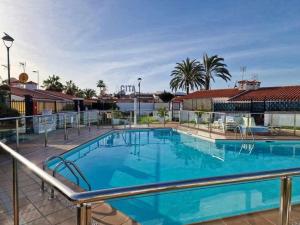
5, 111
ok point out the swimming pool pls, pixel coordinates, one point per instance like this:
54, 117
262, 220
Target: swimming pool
135, 157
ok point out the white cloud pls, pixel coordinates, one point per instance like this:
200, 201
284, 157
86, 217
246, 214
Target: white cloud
68, 38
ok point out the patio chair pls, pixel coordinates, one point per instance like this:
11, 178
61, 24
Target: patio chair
249, 123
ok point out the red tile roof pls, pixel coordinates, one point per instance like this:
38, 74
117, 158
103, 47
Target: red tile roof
216, 93
57, 94
289, 93
35, 95
42, 94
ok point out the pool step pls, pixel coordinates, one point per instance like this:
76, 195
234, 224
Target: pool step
103, 214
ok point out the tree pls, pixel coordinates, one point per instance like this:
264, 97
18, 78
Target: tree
162, 113
70, 88
214, 67
187, 75
166, 96
80, 93
53, 84
89, 93
101, 85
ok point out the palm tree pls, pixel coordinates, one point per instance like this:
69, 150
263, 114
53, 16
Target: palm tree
187, 75
101, 85
89, 93
70, 88
53, 84
80, 93
214, 67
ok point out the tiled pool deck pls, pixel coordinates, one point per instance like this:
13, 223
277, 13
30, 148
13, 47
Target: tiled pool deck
37, 209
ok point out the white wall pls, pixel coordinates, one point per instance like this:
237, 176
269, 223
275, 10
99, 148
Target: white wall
145, 107
282, 119
129, 106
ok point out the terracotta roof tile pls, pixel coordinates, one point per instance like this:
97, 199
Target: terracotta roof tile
36, 95
289, 93
216, 93
58, 94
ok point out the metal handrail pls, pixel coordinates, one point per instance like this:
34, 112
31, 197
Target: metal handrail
251, 132
66, 163
82, 199
238, 127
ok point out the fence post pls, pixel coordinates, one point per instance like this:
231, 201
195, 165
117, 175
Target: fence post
210, 124
17, 134
188, 118
46, 134
98, 117
84, 214
15, 192
130, 117
225, 124
285, 200
248, 124
78, 123
65, 127
112, 118
89, 121
295, 124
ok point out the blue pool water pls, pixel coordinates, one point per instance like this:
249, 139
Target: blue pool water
135, 157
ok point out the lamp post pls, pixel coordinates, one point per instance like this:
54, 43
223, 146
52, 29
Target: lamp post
8, 41
38, 77
139, 85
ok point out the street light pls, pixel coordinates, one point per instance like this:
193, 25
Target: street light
8, 41
38, 77
139, 85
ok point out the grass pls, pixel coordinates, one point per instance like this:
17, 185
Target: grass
147, 119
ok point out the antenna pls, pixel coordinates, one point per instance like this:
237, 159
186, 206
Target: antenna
254, 76
23, 65
243, 71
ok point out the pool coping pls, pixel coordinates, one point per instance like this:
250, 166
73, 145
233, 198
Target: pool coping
179, 131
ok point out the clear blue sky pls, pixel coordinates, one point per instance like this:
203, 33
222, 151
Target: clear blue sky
118, 41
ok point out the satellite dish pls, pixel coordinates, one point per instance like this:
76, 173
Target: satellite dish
23, 78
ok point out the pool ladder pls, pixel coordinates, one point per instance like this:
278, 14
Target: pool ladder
73, 168
248, 131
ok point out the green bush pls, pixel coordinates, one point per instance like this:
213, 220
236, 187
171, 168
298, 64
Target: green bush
5, 111
147, 119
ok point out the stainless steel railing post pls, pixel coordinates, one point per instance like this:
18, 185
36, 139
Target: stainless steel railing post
65, 127
46, 134
78, 123
84, 216
17, 134
98, 119
295, 119
285, 200
15, 192
130, 119
210, 124
89, 121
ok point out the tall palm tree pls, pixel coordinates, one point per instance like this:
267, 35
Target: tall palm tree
187, 75
53, 84
101, 85
80, 93
214, 67
89, 93
70, 88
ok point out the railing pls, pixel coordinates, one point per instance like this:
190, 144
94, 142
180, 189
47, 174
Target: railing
16, 129
68, 164
83, 200
261, 124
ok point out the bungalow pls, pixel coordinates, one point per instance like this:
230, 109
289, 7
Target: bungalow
248, 96
29, 100
204, 99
